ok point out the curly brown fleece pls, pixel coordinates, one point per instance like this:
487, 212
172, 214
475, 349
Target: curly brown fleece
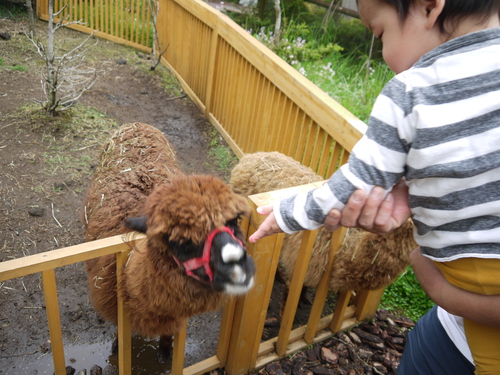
138, 175
365, 260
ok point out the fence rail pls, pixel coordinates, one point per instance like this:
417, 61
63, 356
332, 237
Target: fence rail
258, 103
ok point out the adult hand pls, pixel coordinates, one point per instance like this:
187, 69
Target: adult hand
373, 213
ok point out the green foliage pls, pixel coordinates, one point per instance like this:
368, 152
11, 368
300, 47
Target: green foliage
13, 11
220, 152
405, 295
350, 33
352, 80
17, 68
296, 44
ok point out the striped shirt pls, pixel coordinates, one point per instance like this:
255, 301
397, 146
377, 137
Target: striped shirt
438, 125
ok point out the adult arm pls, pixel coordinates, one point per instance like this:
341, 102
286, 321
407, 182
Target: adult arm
476, 307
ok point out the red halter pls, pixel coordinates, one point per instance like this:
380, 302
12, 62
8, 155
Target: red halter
204, 261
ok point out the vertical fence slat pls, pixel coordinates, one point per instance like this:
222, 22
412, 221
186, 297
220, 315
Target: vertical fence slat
178, 351
210, 90
323, 287
340, 310
367, 303
299, 274
250, 310
225, 330
124, 329
54, 319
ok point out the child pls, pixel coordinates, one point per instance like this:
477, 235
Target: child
437, 123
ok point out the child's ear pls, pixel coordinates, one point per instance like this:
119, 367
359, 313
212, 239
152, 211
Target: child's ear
433, 9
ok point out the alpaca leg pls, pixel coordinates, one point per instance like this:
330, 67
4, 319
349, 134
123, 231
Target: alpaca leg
304, 299
114, 345
165, 348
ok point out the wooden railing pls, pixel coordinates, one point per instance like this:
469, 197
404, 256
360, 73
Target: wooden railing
255, 99
240, 349
258, 103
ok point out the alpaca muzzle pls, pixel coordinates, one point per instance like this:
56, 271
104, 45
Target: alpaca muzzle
193, 264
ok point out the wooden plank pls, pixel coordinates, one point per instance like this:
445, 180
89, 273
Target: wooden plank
203, 367
225, 330
340, 311
123, 327
179, 349
54, 319
323, 287
251, 308
299, 274
62, 257
367, 303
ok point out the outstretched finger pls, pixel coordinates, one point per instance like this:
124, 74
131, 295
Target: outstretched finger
265, 210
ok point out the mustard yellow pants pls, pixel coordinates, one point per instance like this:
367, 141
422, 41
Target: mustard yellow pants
480, 276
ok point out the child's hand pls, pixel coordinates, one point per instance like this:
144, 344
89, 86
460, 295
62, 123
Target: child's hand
268, 227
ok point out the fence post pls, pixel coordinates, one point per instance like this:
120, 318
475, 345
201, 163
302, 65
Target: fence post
367, 302
251, 309
211, 71
52, 304
124, 327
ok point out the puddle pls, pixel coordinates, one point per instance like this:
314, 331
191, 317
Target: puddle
201, 343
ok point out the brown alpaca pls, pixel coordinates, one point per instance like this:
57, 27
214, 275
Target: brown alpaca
365, 260
185, 218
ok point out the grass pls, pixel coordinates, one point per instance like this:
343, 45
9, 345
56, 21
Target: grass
220, 152
13, 11
351, 80
17, 68
76, 130
406, 296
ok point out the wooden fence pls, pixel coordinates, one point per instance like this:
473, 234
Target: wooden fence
258, 103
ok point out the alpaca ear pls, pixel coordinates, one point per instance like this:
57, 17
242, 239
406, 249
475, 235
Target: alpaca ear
138, 224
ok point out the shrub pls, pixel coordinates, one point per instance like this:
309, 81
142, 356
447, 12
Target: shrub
406, 295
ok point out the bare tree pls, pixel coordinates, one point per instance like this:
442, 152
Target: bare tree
31, 17
154, 5
277, 25
66, 76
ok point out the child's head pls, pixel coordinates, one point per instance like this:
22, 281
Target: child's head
453, 10
411, 28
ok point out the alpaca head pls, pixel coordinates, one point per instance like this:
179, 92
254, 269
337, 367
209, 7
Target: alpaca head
194, 220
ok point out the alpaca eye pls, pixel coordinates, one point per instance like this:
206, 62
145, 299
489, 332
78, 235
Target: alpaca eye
233, 222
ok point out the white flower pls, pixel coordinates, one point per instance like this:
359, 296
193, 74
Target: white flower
303, 71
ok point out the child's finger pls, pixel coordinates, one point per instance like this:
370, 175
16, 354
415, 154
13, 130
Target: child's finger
265, 210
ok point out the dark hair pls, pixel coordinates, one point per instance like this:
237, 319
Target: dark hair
453, 11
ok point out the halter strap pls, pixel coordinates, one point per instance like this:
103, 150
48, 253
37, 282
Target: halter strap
193, 264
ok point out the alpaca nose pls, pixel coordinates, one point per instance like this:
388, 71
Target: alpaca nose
241, 271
